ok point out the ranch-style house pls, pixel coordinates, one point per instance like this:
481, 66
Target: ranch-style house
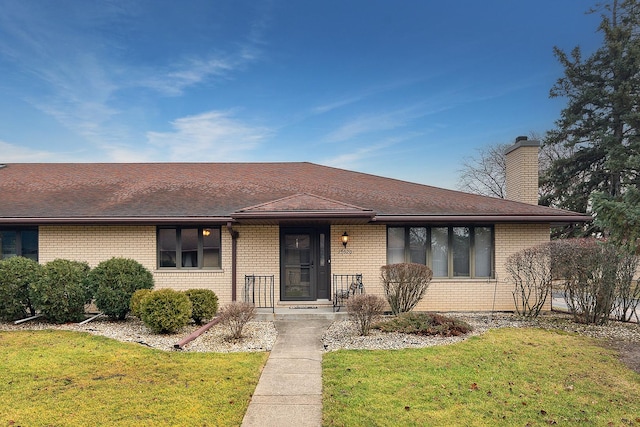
236, 227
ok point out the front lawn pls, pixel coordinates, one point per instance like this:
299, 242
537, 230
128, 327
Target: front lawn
65, 378
520, 377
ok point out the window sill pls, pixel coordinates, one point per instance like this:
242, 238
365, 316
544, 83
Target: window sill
189, 270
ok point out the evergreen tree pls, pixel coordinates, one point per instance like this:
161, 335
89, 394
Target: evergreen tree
600, 126
620, 217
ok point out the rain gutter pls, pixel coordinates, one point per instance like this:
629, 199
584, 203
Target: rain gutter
483, 219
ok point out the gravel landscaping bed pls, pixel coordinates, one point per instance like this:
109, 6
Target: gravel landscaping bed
343, 334
258, 336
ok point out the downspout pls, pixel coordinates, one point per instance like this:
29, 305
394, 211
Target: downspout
234, 251
196, 334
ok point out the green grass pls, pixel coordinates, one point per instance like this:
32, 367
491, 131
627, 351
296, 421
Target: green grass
505, 377
58, 378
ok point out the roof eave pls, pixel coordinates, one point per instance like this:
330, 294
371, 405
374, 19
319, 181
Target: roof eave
484, 219
116, 220
331, 216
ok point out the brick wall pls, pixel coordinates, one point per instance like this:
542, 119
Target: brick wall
94, 244
486, 294
522, 172
259, 253
365, 253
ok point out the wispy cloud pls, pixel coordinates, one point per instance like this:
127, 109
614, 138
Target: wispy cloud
350, 160
362, 95
321, 109
211, 136
388, 120
12, 153
353, 158
84, 72
182, 75
365, 124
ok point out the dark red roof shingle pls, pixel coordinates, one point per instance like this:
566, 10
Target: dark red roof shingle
139, 190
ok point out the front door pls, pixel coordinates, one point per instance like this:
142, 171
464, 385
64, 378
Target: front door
304, 263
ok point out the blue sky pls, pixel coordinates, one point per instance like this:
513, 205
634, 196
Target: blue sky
404, 89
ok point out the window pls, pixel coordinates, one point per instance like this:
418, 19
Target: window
189, 247
395, 245
460, 249
19, 242
440, 251
483, 250
449, 251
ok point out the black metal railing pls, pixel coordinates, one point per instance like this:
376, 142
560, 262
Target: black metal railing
344, 286
259, 291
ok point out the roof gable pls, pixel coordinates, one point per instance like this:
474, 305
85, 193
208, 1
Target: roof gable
303, 202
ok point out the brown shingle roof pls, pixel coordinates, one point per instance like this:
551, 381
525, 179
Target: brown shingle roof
31, 192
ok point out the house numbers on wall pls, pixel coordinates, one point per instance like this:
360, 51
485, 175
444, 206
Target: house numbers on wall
345, 251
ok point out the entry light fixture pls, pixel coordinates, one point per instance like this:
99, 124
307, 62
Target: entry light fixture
206, 232
345, 239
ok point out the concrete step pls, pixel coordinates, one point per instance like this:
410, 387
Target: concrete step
300, 312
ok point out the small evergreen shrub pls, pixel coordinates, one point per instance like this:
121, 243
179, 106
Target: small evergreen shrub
364, 309
404, 285
204, 303
16, 275
235, 316
62, 290
165, 310
136, 301
113, 283
425, 324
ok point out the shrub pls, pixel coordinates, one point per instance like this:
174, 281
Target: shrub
587, 271
204, 303
113, 283
165, 310
364, 309
425, 324
627, 293
404, 285
62, 290
235, 316
530, 273
16, 275
136, 301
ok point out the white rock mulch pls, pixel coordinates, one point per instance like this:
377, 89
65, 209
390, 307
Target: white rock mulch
258, 336
343, 334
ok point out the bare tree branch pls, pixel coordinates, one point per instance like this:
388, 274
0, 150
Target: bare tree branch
485, 173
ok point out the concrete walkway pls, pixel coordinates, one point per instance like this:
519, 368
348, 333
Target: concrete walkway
289, 392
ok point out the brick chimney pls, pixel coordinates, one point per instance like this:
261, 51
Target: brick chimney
522, 171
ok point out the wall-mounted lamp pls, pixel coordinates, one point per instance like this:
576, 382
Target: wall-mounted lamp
206, 232
345, 239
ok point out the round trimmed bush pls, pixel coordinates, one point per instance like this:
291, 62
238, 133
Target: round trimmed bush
16, 275
165, 310
62, 290
113, 283
204, 304
136, 301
